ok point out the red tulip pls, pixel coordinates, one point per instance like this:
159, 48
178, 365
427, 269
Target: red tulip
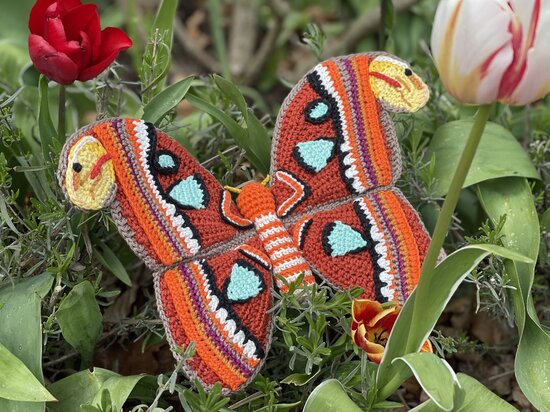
66, 41
371, 325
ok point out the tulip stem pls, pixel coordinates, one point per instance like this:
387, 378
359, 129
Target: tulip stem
447, 210
61, 114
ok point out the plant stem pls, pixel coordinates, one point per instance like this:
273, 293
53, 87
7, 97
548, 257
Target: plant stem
61, 114
449, 205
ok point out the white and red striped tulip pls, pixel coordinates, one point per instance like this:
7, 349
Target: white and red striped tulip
489, 50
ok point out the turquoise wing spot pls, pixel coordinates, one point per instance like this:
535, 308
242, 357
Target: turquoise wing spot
315, 155
317, 111
339, 239
166, 161
244, 283
189, 193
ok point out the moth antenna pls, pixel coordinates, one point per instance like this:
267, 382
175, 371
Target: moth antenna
265, 181
232, 189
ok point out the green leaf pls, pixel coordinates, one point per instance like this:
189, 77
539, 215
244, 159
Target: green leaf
159, 49
232, 93
78, 389
166, 100
112, 263
164, 19
258, 141
435, 376
45, 124
17, 382
80, 319
330, 396
512, 197
300, 379
407, 337
477, 398
119, 389
20, 305
238, 133
499, 154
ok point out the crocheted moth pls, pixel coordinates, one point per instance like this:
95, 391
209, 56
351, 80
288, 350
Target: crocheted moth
332, 210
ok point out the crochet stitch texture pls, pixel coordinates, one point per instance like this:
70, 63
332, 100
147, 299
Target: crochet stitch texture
332, 210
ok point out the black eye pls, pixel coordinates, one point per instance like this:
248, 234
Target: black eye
408, 72
77, 167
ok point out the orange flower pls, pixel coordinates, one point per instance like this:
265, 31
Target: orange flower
372, 324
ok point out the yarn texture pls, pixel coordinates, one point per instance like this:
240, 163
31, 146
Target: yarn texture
332, 210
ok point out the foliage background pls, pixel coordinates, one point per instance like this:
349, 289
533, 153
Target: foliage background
82, 298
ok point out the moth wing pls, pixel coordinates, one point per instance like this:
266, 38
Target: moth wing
222, 304
332, 138
166, 206
375, 241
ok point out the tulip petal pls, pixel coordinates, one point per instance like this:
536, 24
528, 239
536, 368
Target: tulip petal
55, 33
113, 41
82, 18
470, 37
385, 319
368, 346
55, 65
37, 16
67, 5
363, 310
374, 350
535, 81
427, 347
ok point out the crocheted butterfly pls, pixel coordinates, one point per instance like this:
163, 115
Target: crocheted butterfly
332, 210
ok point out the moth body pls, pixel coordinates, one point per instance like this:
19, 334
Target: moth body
256, 203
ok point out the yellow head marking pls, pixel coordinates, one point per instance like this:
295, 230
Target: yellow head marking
396, 86
90, 177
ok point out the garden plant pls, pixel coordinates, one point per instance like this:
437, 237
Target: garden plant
90, 313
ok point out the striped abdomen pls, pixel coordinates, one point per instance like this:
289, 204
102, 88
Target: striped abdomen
285, 257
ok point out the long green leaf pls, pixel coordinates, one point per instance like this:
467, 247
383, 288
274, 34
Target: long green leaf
436, 378
512, 197
258, 141
17, 382
499, 155
166, 100
407, 337
20, 305
164, 23
238, 133
112, 263
477, 398
80, 319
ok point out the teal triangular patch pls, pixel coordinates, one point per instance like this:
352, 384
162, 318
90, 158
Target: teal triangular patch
314, 155
189, 193
244, 283
343, 239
